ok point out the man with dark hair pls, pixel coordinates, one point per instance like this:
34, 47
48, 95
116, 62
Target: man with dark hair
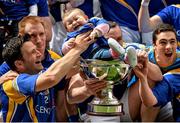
164, 51
166, 90
33, 91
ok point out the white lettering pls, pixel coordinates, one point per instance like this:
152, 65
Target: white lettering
46, 99
43, 110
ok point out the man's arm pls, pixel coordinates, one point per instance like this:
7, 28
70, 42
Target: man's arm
141, 71
145, 23
62, 66
80, 89
76, 92
154, 72
146, 93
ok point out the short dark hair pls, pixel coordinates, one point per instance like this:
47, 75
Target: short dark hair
163, 28
12, 50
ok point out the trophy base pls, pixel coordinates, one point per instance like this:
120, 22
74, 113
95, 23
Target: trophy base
105, 110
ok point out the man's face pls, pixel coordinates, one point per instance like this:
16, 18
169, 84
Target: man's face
38, 37
165, 48
31, 61
74, 21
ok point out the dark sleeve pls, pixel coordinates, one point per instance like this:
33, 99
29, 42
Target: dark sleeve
26, 84
31, 2
42, 8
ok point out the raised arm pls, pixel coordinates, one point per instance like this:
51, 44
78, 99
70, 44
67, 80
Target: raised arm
62, 66
141, 71
145, 22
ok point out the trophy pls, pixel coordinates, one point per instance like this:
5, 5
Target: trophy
114, 72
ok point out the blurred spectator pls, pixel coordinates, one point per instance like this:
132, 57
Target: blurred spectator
170, 15
125, 13
11, 12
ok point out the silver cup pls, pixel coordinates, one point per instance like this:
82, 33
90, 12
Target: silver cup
114, 72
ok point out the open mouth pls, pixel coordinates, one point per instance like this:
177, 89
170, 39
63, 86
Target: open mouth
38, 62
168, 54
76, 27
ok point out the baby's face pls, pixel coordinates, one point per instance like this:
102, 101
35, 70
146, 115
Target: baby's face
74, 21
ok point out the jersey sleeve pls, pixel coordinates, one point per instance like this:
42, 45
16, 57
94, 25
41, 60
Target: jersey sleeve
20, 88
166, 14
43, 8
31, 2
163, 92
26, 83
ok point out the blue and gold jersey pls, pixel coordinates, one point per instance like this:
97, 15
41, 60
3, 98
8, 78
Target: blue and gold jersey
152, 59
22, 103
125, 12
175, 65
168, 89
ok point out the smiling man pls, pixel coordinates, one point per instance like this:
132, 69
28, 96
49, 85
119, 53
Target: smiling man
164, 51
30, 96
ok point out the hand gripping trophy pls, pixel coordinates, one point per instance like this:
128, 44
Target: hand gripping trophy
114, 72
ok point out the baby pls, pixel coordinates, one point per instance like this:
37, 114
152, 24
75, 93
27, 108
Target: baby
76, 22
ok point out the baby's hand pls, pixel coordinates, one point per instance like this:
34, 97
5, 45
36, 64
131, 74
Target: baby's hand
95, 34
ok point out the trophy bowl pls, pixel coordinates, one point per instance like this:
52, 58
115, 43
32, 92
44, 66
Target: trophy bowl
114, 72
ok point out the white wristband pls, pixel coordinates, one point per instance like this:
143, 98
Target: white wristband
143, 3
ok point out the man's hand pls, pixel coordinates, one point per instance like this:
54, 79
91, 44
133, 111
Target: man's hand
141, 69
93, 86
83, 41
8, 76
